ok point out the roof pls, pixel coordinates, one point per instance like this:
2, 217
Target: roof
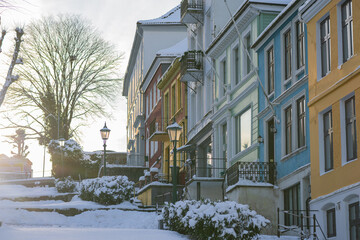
172, 16
275, 21
177, 50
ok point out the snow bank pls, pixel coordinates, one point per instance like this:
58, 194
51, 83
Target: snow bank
35, 233
15, 191
96, 219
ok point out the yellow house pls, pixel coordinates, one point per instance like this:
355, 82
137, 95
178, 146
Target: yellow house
334, 107
174, 109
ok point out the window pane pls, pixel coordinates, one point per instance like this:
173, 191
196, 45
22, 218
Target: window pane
300, 44
245, 130
325, 46
248, 59
301, 122
287, 45
237, 73
288, 130
270, 61
328, 141
351, 145
331, 222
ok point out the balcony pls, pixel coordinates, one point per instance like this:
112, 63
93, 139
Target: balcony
263, 172
192, 66
192, 11
210, 168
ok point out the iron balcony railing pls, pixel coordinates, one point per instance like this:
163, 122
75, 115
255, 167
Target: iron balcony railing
186, 5
205, 168
254, 171
191, 61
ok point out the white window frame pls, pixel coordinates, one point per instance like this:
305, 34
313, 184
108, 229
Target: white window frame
343, 130
340, 37
222, 68
284, 81
321, 141
318, 47
244, 35
295, 52
234, 46
266, 49
244, 110
294, 126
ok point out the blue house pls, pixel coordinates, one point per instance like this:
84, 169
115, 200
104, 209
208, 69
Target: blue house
283, 114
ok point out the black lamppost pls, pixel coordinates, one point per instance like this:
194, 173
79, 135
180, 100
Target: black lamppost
62, 143
105, 132
174, 131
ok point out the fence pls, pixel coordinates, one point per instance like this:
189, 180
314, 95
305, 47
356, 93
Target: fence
254, 171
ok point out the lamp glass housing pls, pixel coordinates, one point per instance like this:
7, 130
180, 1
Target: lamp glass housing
105, 132
174, 131
61, 142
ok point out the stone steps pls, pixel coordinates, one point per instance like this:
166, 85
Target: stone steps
64, 197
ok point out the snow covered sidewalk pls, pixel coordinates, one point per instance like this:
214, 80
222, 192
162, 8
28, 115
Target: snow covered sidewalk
53, 233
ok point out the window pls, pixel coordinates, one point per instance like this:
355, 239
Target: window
347, 30
237, 65
301, 122
223, 76
166, 108
292, 205
325, 46
288, 130
331, 222
173, 100
354, 221
243, 130
248, 54
151, 98
224, 140
300, 45
328, 141
351, 145
287, 51
270, 70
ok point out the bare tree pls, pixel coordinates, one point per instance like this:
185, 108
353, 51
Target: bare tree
69, 74
10, 78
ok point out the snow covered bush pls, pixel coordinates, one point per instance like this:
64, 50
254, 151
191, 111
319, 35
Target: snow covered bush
106, 190
71, 160
213, 220
65, 185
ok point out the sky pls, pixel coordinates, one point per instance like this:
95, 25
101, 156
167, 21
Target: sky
116, 20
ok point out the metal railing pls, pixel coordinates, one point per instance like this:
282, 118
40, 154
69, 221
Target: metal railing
206, 168
191, 60
254, 171
190, 4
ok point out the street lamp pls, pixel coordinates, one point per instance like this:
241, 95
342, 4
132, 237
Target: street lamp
174, 131
105, 132
62, 143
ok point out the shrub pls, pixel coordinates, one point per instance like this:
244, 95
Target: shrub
213, 220
107, 190
65, 185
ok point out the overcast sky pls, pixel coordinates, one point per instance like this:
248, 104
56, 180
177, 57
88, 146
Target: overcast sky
116, 20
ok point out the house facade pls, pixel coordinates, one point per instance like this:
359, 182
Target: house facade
283, 138
334, 93
151, 36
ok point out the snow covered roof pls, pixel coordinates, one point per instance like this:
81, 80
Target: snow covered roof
176, 50
171, 17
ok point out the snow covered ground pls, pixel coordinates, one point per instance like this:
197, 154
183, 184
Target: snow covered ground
44, 233
118, 222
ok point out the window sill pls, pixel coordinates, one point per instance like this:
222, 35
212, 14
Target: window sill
290, 155
348, 161
323, 172
244, 152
